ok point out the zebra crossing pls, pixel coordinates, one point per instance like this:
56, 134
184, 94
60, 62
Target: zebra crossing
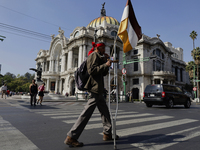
11, 137
131, 126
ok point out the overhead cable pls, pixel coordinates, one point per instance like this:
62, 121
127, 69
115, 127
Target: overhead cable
33, 17
25, 36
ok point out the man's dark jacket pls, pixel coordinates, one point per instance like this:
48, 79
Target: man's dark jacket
97, 69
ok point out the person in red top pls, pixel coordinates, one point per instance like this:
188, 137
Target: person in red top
41, 93
8, 92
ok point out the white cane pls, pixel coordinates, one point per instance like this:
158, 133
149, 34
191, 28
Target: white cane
116, 87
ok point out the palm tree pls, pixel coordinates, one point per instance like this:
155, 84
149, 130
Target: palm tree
189, 68
193, 36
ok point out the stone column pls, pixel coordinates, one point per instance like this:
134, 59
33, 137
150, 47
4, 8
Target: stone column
161, 81
80, 55
60, 86
43, 66
69, 60
56, 86
47, 87
63, 63
168, 81
57, 65
50, 64
153, 82
107, 50
84, 53
53, 64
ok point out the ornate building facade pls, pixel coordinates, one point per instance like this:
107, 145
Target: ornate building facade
66, 54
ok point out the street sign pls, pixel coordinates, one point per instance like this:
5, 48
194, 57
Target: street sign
124, 71
194, 88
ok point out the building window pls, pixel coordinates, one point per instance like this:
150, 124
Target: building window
47, 65
163, 67
158, 52
76, 62
76, 34
59, 68
176, 73
136, 81
135, 52
181, 74
135, 66
163, 57
113, 33
158, 66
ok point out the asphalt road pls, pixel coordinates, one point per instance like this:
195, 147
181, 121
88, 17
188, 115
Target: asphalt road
25, 127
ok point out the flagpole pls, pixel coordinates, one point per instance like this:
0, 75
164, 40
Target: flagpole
116, 86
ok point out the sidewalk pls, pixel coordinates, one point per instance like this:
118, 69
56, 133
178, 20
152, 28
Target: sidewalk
49, 98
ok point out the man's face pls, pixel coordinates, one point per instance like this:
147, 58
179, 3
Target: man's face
101, 49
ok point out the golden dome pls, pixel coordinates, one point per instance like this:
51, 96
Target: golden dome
99, 21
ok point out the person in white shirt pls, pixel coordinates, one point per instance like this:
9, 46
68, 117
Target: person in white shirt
3, 90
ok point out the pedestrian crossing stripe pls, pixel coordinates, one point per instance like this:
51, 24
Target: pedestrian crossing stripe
141, 129
154, 143
126, 122
11, 137
119, 117
63, 115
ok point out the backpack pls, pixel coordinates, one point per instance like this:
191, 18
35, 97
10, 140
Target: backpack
81, 76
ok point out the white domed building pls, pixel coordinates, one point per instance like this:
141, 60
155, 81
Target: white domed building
66, 54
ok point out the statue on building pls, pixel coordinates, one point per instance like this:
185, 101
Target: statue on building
61, 33
103, 11
39, 74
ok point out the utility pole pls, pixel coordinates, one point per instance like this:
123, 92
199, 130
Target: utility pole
126, 62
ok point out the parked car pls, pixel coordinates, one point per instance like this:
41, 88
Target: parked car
165, 94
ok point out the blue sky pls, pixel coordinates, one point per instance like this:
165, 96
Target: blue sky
173, 20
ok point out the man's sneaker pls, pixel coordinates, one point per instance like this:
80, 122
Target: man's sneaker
72, 142
108, 137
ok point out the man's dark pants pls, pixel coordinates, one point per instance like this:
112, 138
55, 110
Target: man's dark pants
96, 100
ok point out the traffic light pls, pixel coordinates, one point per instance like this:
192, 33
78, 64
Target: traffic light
123, 78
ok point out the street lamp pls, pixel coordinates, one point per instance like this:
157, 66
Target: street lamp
2, 38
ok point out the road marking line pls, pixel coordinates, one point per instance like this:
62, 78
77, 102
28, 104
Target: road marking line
123, 116
11, 137
78, 113
141, 129
126, 122
154, 143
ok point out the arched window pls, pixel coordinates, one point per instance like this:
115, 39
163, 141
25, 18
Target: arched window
158, 66
113, 33
76, 34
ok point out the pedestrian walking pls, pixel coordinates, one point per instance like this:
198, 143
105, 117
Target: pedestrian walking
128, 95
33, 88
41, 93
8, 92
3, 90
97, 66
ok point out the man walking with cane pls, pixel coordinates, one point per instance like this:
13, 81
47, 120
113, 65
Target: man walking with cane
97, 66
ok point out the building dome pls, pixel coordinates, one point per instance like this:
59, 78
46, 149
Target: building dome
99, 21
